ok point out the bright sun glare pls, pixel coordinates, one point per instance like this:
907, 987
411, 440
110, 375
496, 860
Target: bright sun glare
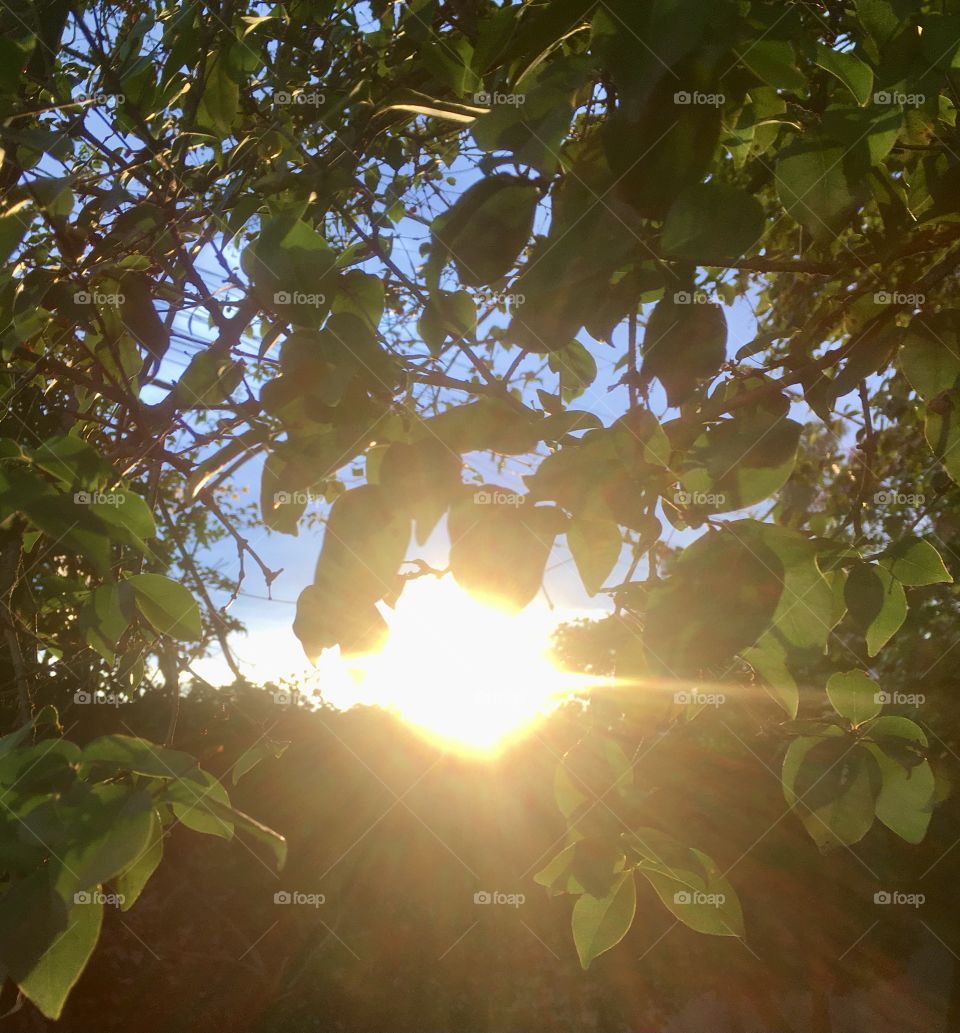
467, 676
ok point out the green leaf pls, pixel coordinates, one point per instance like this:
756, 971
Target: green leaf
32, 916
659, 851
208, 381
712, 222
487, 228
14, 222
130, 883
557, 875
50, 980
486, 425
128, 519
425, 476
446, 315
450, 64
282, 500
814, 188
758, 126
892, 727
882, 19
868, 133
774, 61
850, 70
796, 754
567, 792
104, 619
273, 841
55, 195
533, 129
640, 425
907, 796
876, 603
854, 696
600, 923
597, 863
703, 900
107, 829
596, 546
500, 546
848, 816
832, 783
802, 619
942, 430
221, 97
362, 295
293, 270
930, 354
73, 462
686, 631
365, 542
941, 39
776, 613
684, 343
662, 145
123, 753
204, 808
67, 519
915, 563
251, 757
167, 605
46, 715
577, 369
739, 462
192, 801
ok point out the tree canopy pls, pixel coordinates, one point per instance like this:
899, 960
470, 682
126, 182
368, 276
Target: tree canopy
395, 240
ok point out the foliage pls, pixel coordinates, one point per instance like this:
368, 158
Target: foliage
657, 163
85, 826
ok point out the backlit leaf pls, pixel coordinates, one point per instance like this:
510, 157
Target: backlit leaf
600, 923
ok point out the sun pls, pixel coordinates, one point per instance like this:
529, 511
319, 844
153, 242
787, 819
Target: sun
467, 676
